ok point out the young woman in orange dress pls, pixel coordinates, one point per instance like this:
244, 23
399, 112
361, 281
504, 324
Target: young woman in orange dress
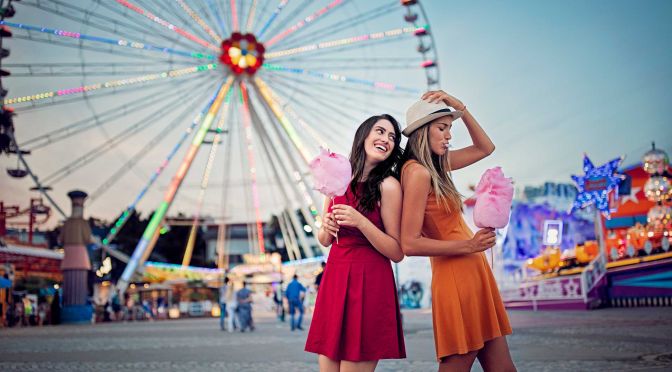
468, 315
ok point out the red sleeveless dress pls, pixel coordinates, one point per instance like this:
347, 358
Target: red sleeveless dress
357, 314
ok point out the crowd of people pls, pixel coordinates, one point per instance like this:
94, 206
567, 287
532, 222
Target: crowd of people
31, 310
294, 298
131, 307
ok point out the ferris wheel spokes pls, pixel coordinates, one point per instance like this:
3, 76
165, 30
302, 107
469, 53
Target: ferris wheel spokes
283, 172
172, 8
326, 31
249, 25
235, 26
200, 21
154, 18
246, 116
293, 80
303, 23
142, 152
102, 23
95, 120
288, 127
159, 170
115, 42
336, 109
67, 69
343, 79
91, 155
287, 141
332, 99
85, 89
343, 42
272, 18
217, 12
327, 102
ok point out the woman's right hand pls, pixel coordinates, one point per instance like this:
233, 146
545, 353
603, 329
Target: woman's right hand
329, 224
483, 239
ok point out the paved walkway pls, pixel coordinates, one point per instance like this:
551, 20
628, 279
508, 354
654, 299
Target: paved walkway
602, 340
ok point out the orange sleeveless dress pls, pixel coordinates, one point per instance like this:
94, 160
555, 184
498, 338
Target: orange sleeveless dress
467, 309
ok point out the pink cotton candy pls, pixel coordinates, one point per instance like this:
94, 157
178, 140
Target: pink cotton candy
494, 195
331, 172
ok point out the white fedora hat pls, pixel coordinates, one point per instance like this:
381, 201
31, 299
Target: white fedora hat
422, 112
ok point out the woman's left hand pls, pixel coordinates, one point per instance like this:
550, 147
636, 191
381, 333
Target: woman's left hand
434, 96
346, 215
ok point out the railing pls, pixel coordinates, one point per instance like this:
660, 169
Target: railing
592, 274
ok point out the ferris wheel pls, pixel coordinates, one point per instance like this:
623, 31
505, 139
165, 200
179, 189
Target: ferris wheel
208, 107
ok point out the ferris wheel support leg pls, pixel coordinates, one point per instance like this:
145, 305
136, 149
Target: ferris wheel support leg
221, 247
285, 237
292, 229
301, 234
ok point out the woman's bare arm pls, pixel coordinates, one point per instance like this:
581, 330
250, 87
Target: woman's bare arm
416, 187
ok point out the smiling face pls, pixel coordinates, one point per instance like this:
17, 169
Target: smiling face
379, 144
439, 134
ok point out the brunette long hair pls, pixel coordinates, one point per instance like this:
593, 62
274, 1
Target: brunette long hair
370, 192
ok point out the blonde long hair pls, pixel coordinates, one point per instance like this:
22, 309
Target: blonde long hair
418, 148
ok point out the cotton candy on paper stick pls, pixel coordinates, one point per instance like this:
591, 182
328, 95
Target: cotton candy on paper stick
494, 195
331, 174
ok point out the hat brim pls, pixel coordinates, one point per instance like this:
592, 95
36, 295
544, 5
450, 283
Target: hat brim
422, 121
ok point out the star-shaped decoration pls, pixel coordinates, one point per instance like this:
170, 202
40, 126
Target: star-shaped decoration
632, 197
572, 288
596, 183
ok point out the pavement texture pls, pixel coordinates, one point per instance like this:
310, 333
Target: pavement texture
631, 339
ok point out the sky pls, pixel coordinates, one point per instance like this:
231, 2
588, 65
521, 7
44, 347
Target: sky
548, 81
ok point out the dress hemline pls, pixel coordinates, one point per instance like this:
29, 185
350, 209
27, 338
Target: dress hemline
362, 358
479, 346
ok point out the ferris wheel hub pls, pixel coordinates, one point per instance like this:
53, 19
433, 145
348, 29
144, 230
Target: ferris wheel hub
242, 53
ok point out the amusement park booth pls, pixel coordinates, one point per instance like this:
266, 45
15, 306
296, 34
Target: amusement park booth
628, 260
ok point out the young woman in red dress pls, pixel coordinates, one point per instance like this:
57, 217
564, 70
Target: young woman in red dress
357, 320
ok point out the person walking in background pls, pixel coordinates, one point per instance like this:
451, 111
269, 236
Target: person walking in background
295, 294
318, 278
116, 306
42, 309
278, 299
28, 314
19, 311
231, 307
244, 299
147, 313
56, 309
222, 303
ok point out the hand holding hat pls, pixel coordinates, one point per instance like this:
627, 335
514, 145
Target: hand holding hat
436, 96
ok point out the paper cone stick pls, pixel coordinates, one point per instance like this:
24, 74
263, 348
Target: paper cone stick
332, 206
